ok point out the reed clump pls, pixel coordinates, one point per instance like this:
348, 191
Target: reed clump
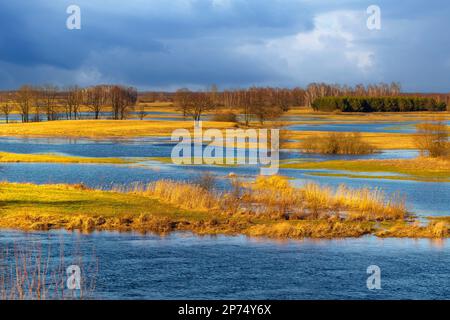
32, 271
324, 228
186, 196
433, 139
275, 198
315, 201
337, 143
434, 229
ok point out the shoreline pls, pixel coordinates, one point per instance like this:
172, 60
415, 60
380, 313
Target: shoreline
29, 207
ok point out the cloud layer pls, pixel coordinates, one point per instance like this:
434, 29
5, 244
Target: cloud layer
160, 44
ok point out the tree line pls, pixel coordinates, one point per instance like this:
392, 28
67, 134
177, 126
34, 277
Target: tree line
259, 103
263, 103
255, 103
377, 104
50, 103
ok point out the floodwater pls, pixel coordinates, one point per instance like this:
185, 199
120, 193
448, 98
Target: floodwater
184, 266
378, 127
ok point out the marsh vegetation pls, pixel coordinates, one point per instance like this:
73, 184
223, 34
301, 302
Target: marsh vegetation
266, 207
433, 140
337, 143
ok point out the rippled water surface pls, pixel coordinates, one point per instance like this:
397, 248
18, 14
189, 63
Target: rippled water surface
182, 266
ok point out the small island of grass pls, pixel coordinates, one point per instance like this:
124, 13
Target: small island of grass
269, 207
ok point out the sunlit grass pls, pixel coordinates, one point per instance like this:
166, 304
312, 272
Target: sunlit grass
268, 207
420, 167
7, 157
103, 128
337, 143
379, 140
369, 117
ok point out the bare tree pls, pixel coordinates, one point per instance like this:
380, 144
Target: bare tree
181, 100
74, 98
96, 97
131, 98
38, 103
141, 112
49, 94
24, 97
122, 101
245, 101
198, 103
6, 107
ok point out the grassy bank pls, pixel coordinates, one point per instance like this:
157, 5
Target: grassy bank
369, 117
6, 157
163, 207
103, 128
425, 168
379, 140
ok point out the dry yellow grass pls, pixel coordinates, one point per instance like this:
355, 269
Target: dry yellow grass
324, 228
369, 117
429, 168
337, 143
176, 193
278, 197
157, 208
435, 229
382, 141
103, 128
7, 157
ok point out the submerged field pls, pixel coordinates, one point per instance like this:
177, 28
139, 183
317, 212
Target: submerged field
107, 193
420, 168
119, 154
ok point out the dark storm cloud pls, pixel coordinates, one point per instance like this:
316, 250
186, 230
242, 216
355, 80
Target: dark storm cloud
234, 43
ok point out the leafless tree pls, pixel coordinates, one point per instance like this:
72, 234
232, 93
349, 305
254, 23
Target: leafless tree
181, 100
6, 107
24, 98
38, 103
122, 101
73, 101
246, 103
96, 98
49, 94
141, 112
198, 103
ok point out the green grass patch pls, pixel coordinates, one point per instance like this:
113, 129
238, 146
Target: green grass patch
7, 157
388, 177
419, 168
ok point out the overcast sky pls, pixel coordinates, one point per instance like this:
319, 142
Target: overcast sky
166, 44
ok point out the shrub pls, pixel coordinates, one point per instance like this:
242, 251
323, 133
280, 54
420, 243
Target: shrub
206, 181
225, 117
432, 139
337, 143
